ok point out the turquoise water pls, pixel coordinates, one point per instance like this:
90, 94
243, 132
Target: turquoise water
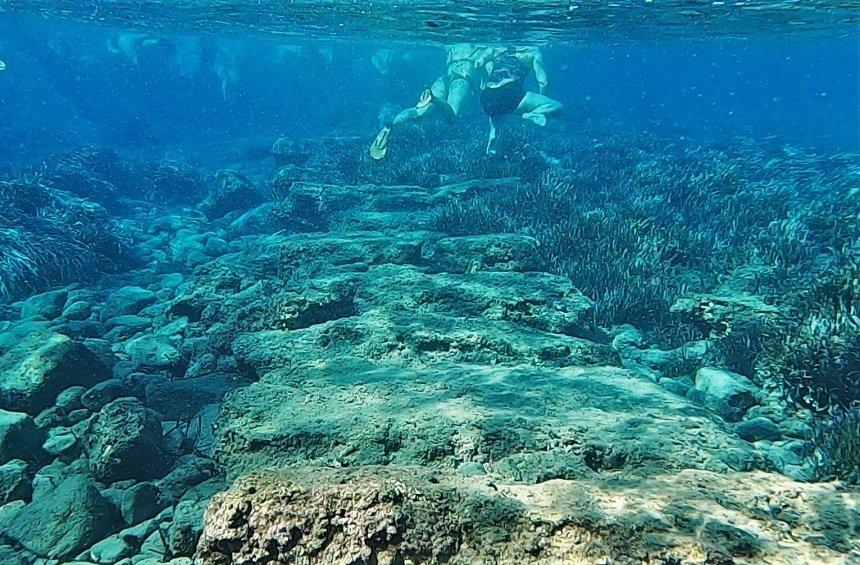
272, 290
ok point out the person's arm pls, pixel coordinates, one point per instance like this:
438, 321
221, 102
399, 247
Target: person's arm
540, 71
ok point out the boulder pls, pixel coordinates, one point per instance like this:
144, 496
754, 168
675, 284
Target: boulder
49, 476
65, 523
188, 472
756, 429
62, 443
70, 399
123, 441
35, 371
111, 550
153, 352
15, 481
469, 254
178, 399
132, 322
78, 310
11, 556
127, 300
48, 305
19, 437
104, 392
728, 394
187, 525
140, 502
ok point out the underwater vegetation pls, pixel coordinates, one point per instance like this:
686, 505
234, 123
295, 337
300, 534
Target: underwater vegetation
63, 220
753, 248
50, 237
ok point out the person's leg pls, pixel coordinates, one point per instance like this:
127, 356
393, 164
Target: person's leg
458, 95
380, 144
491, 139
536, 107
439, 90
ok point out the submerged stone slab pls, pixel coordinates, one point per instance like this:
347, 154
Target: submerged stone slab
351, 412
538, 300
413, 337
387, 514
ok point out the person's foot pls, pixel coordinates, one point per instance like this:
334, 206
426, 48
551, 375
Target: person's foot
537, 119
380, 145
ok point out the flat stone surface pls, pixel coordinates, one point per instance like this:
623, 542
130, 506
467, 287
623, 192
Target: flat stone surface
353, 412
689, 516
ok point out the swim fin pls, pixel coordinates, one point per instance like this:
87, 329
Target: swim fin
380, 145
425, 99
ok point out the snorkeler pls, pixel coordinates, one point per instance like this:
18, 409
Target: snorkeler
503, 91
2, 65
447, 96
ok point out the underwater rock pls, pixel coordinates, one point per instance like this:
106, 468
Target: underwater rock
61, 525
126, 300
70, 399
170, 281
288, 151
49, 476
680, 386
795, 428
15, 481
62, 443
48, 305
82, 329
155, 353
536, 468
493, 252
78, 310
722, 312
127, 324
215, 247
395, 512
229, 191
188, 472
10, 555
728, 394
187, 524
353, 412
109, 550
756, 429
536, 300
140, 502
19, 438
35, 371
96, 397
661, 364
181, 399
15, 333
123, 441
